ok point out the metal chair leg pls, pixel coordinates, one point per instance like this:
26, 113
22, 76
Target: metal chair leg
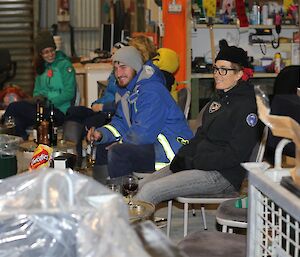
203, 217
224, 228
193, 210
169, 217
185, 219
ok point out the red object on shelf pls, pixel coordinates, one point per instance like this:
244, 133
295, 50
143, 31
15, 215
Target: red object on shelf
241, 13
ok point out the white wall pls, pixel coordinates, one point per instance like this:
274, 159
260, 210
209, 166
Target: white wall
200, 42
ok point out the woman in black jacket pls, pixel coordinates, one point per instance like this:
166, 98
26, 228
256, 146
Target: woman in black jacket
210, 163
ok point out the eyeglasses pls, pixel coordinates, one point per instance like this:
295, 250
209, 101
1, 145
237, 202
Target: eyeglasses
47, 52
221, 71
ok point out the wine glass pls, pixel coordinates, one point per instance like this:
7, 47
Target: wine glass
9, 122
262, 96
113, 184
130, 186
263, 106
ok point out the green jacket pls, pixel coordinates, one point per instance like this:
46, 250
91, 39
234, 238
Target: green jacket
57, 82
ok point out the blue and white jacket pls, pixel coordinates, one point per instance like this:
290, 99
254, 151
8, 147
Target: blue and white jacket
153, 117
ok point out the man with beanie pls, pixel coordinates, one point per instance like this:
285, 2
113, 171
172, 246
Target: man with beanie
148, 127
55, 83
80, 119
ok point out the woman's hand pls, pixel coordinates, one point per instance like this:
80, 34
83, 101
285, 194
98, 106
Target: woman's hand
97, 107
40, 98
93, 135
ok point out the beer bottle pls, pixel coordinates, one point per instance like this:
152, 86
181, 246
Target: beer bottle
40, 132
44, 133
37, 123
52, 127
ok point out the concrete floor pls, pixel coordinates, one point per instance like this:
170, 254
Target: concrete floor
195, 222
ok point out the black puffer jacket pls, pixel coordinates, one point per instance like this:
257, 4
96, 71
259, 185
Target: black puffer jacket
229, 132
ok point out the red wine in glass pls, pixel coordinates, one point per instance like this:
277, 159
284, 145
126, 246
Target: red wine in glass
130, 186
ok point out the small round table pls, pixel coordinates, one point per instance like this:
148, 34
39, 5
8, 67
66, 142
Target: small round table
142, 211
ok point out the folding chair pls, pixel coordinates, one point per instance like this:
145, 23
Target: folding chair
257, 155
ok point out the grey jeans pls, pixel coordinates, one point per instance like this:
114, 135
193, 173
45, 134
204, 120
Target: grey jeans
164, 185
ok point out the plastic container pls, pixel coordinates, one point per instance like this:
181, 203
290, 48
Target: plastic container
277, 63
265, 14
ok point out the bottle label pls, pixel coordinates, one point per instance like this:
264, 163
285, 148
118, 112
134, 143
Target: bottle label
34, 135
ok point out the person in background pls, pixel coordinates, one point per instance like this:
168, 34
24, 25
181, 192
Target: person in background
80, 118
210, 163
55, 82
147, 50
167, 60
148, 127
145, 46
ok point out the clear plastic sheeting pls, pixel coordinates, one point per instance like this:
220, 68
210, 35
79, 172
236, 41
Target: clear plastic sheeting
63, 213
9, 144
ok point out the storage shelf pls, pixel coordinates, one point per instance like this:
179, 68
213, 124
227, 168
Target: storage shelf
210, 75
234, 26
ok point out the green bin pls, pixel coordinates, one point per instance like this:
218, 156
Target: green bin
8, 160
8, 166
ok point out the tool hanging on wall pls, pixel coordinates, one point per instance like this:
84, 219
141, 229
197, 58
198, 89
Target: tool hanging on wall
276, 43
63, 25
63, 15
212, 39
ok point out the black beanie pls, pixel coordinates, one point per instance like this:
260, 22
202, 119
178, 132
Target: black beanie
233, 54
44, 40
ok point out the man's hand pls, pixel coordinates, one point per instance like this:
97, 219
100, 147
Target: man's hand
97, 107
93, 135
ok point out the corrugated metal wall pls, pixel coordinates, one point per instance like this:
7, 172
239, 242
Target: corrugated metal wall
84, 17
16, 34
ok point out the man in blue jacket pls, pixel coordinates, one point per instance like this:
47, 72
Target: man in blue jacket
148, 128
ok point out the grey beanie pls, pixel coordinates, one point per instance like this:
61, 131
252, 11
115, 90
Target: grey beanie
44, 40
130, 56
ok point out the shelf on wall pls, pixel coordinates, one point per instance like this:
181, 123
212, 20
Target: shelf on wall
255, 75
269, 44
235, 26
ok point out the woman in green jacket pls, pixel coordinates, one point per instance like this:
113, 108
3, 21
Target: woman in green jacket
55, 83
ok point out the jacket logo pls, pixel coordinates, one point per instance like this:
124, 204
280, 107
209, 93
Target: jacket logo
214, 107
252, 119
182, 141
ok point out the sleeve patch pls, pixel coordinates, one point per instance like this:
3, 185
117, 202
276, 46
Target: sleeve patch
252, 119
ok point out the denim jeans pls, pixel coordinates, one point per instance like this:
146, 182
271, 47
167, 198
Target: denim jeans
164, 185
123, 159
